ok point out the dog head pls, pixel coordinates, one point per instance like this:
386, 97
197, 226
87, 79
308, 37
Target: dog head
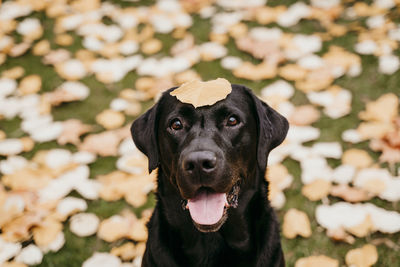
209, 152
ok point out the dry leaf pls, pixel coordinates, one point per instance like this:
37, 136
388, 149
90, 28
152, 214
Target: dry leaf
18, 229
258, 72
295, 223
30, 255
317, 261
84, 224
47, 231
363, 229
124, 225
126, 252
292, 72
387, 102
41, 48
14, 264
304, 115
203, 93
102, 260
105, 143
340, 234
357, 158
316, 190
350, 194
30, 85
362, 257
13, 73
151, 46
110, 119
64, 40
72, 130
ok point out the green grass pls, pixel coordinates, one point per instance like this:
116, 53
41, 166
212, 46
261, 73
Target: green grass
368, 86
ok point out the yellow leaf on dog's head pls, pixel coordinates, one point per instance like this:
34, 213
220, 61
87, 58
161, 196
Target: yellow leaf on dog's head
201, 94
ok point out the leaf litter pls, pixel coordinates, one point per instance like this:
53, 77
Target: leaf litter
34, 192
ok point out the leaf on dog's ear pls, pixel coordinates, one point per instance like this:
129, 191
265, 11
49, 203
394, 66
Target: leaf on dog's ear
201, 94
362, 257
296, 223
317, 261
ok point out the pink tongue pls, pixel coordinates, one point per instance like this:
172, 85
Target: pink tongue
207, 207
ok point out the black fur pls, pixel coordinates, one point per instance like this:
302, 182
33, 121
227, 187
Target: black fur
250, 234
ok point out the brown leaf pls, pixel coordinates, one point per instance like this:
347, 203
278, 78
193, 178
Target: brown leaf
105, 143
260, 49
317, 261
296, 222
357, 158
253, 72
362, 257
304, 115
373, 112
47, 231
110, 119
72, 130
126, 252
340, 234
201, 94
350, 194
316, 190
363, 229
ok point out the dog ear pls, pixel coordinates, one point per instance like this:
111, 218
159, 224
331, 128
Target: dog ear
144, 135
272, 129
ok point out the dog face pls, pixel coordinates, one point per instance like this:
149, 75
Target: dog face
208, 153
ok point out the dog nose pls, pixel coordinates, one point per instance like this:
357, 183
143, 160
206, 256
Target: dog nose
200, 161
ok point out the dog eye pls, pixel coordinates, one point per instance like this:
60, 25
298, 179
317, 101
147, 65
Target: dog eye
176, 124
232, 121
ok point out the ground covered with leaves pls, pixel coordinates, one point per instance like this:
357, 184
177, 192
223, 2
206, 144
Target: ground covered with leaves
74, 74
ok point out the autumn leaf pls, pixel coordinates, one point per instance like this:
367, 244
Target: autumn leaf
201, 94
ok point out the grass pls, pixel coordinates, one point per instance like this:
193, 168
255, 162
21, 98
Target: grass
368, 86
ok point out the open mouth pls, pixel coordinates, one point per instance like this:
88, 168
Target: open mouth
208, 208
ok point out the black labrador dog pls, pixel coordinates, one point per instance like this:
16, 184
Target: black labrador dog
212, 199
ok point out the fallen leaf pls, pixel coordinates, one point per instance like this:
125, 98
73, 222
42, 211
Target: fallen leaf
357, 158
373, 110
72, 130
317, 190
363, 229
292, 72
41, 48
203, 93
102, 260
362, 257
317, 261
340, 234
125, 225
296, 222
13, 73
84, 224
350, 194
30, 85
104, 143
126, 252
30, 255
258, 72
46, 232
304, 115
110, 119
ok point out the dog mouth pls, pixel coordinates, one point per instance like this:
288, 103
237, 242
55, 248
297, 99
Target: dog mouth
208, 208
